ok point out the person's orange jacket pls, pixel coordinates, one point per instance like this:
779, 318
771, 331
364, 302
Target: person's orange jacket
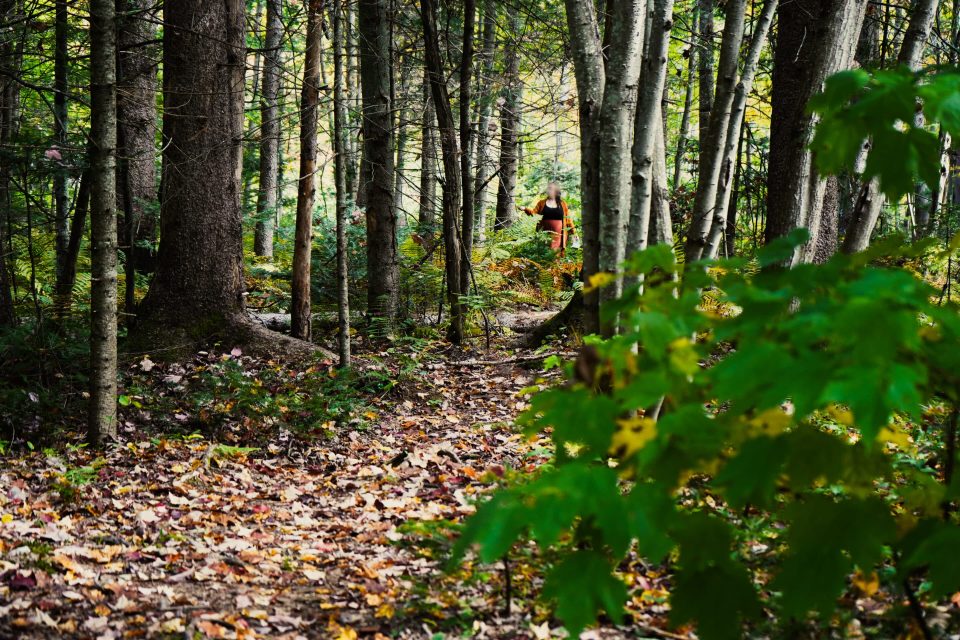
568, 225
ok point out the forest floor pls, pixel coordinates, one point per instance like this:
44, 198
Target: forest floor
341, 536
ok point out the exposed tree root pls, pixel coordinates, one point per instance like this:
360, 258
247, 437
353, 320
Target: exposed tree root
169, 340
570, 318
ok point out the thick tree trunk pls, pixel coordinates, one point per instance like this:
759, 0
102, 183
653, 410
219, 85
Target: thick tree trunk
509, 128
728, 156
197, 292
713, 146
485, 99
428, 160
102, 418
616, 127
452, 184
300, 311
649, 125
375, 68
466, 137
341, 163
816, 38
590, 73
269, 132
869, 202
136, 136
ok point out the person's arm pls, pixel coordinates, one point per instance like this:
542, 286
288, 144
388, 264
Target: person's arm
536, 210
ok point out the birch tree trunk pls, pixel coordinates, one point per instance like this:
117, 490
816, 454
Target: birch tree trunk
616, 124
728, 160
713, 147
485, 100
705, 68
870, 201
269, 132
816, 38
687, 106
452, 184
378, 162
649, 124
300, 308
509, 124
428, 160
102, 418
340, 165
591, 77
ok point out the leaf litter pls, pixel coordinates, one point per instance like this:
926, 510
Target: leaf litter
295, 538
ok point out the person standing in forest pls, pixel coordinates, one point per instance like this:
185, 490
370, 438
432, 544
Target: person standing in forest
554, 218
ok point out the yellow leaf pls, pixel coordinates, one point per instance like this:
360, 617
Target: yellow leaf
840, 415
632, 435
601, 279
868, 584
892, 434
6, 518
771, 422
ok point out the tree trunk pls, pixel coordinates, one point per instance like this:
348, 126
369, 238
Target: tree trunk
269, 132
354, 101
102, 418
340, 166
300, 311
11, 52
717, 219
452, 183
375, 65
705, 69
616, 126
466, 157
649, 124
402, 128
509, 128
136, 135
684, 134
197, 291
816, 38
590, 73
60, 131
485, 99
428, 161
714, 144
870, 200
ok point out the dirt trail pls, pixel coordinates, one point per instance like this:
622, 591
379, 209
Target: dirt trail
185, 539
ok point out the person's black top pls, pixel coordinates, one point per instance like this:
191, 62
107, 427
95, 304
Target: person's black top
552, 213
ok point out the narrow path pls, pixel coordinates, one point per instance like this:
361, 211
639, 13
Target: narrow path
185, 539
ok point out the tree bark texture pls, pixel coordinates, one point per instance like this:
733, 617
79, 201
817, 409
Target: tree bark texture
102, 417
378, 161
452, 184
484, 133
428, 160
341, 164
509, 128
300, 310
816, 38
269, 132
197, 291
